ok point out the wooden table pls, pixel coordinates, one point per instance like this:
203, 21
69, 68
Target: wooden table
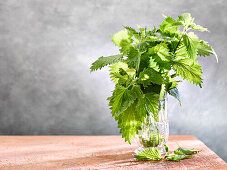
94, 152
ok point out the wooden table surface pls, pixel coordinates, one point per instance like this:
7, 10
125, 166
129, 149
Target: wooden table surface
94, 152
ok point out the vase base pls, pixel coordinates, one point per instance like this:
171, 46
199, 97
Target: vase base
160, 148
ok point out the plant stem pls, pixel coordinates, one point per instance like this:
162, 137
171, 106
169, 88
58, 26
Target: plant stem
177, 45
184, 30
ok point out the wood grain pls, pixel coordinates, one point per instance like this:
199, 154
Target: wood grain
94, 152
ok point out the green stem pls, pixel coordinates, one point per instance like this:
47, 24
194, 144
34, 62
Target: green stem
184, 31
177, 45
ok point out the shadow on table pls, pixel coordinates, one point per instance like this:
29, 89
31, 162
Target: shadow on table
107, 161
96, 161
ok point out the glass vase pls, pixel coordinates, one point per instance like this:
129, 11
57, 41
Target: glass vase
155, 131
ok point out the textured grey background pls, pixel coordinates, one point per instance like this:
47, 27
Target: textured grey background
47, 46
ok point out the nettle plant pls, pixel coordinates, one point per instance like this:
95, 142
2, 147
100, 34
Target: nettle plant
150, 64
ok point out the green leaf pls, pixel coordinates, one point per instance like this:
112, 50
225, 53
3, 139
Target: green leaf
122, 98
125, 46
189, 70
191, 42
185, 19
137, 91
170, 82
116, 66
181, 51
153, 141
178, 152
141, 106
133, 59
175, 93
115, 71
166, 148
118, 78
205, 50
160, 55
104, 61
181, 153
198, 27
119, 37
168, 27
149, 154
132, 32
159, 36
148, 103
153, 64
148, 76
130, 122
186, 151
175, 157
161, 50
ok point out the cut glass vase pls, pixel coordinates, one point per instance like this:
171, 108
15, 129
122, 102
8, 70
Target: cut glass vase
155, 131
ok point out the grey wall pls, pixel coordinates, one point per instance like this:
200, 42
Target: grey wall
47, 46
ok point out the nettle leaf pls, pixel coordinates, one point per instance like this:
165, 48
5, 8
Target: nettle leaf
119, 37
160, 55
175, 93
181, 153
144, 61
115, 71
178, 152
136, 91
159, 36
163, 65
153, 64
116, 66
185, 19
122, 98
119, 78
153, 141
148, 76
130, 122
133, 59
104, 61
168, 27
142, 31
181, 51
166, 148
191, 42
125, 46
161, 50
151, 102
198, 27
170, 82
186, 151
148, 103
205, 50
175, 157
151, 153
141, 106
132, 32
189, 70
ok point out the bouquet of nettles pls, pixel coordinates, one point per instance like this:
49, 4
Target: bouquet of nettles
150, 63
